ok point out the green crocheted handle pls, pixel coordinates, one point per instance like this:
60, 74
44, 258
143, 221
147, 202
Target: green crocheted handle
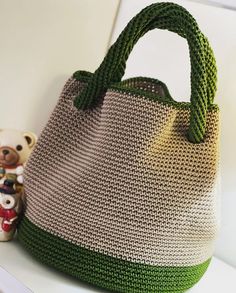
174, 18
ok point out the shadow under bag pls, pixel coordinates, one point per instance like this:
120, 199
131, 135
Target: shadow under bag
121, 186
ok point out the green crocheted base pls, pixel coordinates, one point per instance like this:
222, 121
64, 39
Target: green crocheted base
105, 271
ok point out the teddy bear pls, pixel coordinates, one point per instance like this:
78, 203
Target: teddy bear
15, 149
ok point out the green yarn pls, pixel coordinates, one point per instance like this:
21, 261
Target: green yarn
106, 271
174, 18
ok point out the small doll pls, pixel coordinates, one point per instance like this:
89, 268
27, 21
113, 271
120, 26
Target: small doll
10, 208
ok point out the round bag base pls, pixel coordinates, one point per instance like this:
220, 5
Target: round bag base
106, 271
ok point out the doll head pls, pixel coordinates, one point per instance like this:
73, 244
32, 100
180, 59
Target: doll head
15, 147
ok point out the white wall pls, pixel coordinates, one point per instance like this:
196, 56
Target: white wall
230, 4
42, 43
164, 55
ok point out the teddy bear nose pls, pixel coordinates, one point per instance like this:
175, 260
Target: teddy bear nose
5, 152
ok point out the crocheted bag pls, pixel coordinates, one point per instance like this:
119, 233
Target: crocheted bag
121, 185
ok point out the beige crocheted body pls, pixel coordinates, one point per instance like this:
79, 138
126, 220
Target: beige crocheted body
123, 180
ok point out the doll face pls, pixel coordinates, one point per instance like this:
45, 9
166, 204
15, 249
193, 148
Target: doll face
7, 201
15, 147
8, 156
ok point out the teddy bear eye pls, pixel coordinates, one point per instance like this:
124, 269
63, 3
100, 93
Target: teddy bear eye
19, 147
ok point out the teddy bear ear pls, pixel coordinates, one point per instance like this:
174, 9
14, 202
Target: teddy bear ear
31, 138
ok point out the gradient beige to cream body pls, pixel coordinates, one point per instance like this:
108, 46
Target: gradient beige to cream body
123, 180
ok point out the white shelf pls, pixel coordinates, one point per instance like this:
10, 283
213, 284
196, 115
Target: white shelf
39, 278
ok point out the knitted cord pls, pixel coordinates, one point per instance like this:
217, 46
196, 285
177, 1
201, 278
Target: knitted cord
203, 70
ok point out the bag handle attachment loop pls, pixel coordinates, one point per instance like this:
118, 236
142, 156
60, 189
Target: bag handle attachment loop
174, 18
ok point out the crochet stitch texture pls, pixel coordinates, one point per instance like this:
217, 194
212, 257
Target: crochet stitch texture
121, 186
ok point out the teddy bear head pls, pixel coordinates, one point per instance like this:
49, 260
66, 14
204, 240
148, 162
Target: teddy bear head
15, 147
